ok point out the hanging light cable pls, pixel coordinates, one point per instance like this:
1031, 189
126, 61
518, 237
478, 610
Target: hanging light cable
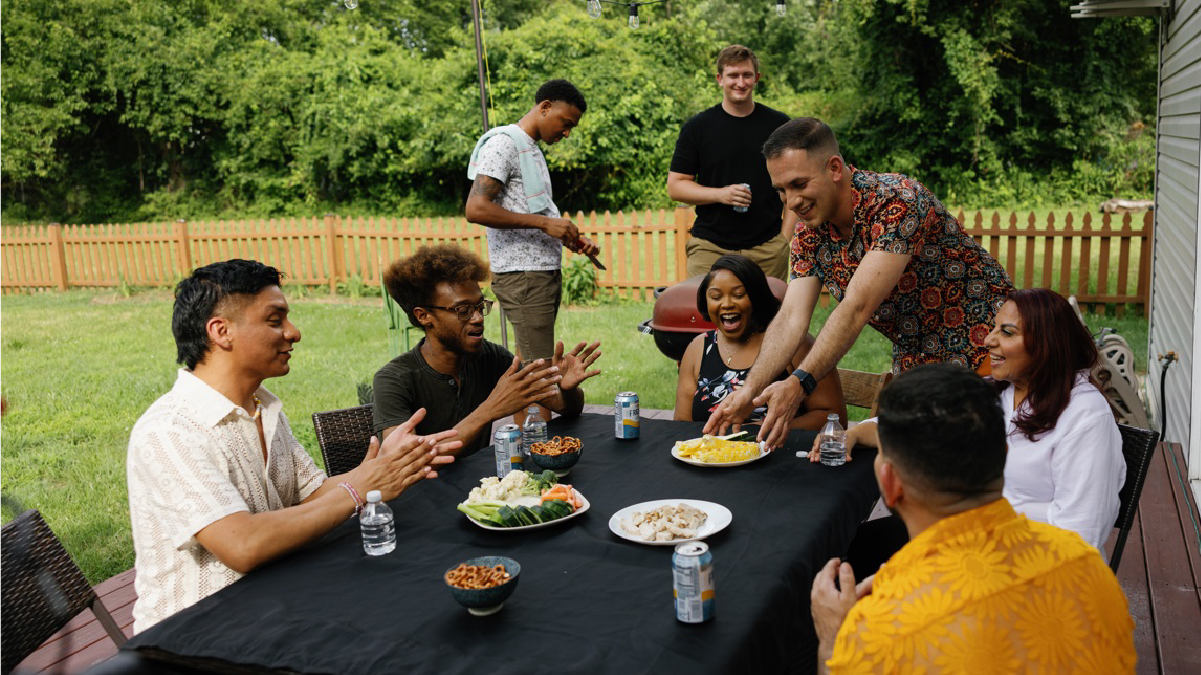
594, 9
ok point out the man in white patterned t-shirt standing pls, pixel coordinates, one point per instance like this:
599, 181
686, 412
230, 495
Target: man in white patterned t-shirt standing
511, 196
218, 485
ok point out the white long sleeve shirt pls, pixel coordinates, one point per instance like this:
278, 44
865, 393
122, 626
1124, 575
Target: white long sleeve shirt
1069, 476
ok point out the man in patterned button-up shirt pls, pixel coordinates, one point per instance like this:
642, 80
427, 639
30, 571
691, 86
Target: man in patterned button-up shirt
888, 251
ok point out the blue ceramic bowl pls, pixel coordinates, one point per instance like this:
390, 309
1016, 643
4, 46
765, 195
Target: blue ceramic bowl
556, 463
485, 601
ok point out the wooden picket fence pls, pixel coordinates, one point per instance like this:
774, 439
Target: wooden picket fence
1105, 262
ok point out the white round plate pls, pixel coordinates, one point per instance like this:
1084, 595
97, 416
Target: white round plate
675, 452
518, 528
718, 518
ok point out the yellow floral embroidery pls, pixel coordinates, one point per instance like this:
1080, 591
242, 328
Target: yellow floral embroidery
903, 579
976, 650
987, 591
1051, 628
1034, 563
972, 567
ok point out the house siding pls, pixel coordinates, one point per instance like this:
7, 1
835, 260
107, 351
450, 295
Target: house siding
1175, 304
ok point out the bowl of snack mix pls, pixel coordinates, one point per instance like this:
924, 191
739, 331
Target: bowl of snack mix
558, 454
483, 584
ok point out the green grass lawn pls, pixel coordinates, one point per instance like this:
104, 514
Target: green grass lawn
79, 368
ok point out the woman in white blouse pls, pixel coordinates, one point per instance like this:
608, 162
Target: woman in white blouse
1065, 464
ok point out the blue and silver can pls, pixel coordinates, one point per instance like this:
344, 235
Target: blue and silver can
692, 576
508, 450
743, 209
625, 416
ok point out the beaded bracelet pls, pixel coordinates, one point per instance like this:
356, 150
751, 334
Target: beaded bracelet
358, 503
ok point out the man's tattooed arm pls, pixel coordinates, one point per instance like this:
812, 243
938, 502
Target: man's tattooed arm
487, 187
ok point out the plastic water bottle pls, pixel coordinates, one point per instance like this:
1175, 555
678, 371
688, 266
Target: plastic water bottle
379, 532
833, 444
533, 431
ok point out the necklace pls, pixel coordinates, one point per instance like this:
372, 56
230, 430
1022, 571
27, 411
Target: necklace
735, 353
258, 408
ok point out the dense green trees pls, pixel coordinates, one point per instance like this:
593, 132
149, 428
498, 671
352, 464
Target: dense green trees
138, 109
1010, 99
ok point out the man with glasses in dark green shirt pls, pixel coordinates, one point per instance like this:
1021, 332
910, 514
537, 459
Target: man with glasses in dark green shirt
462, 380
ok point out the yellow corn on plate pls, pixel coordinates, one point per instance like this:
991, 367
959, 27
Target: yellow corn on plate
715, 451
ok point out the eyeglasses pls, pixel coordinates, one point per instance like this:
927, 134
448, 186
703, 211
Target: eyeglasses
465, 312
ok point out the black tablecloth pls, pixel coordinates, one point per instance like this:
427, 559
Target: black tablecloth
587, 601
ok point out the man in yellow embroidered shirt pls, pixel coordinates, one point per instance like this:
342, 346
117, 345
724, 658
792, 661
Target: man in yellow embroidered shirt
979, 588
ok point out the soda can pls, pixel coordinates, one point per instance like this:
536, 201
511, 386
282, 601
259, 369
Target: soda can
743, 209
508, 450
692, 576
625, 416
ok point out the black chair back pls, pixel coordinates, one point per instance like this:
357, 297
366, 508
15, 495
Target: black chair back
344, 436
1138, 445
42, 589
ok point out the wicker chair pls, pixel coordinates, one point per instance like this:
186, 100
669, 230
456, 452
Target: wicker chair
1138, 445
344, 436
863, 389
43, 589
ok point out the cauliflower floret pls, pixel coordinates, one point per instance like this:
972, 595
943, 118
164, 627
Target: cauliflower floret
495, 489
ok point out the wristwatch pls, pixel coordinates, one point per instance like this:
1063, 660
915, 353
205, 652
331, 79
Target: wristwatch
808, 384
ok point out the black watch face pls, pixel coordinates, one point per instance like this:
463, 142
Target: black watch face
808, 384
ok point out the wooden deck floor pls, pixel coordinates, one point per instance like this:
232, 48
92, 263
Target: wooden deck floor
1160, 573
83, 642
1161, 569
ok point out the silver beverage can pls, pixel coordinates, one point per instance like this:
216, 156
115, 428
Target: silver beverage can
692, 577
743, 209
625, 416
508, 450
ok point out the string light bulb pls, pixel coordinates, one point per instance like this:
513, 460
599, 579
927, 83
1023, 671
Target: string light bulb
781, 8
351, 4
633, 16
594, 8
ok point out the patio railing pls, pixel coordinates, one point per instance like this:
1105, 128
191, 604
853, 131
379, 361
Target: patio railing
1101, 259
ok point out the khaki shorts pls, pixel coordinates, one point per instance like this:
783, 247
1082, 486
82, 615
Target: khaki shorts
771, 256
531, 303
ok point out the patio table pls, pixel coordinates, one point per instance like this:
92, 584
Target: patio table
587, 601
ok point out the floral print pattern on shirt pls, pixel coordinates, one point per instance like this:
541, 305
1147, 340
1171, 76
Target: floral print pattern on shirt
942, 307
988, 591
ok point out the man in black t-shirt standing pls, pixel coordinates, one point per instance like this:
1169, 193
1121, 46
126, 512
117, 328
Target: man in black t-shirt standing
716, 154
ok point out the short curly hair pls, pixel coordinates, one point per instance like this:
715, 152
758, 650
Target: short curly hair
561, 90
412, 281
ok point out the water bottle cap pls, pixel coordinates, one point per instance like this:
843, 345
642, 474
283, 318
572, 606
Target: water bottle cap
374, 496
832, 417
